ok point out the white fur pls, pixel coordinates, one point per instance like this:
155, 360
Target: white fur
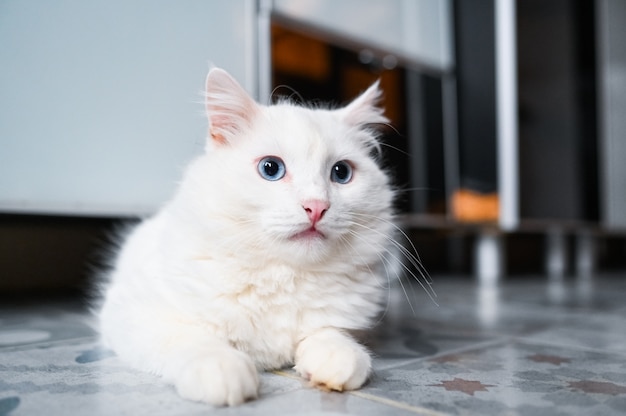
333, 360
212, 286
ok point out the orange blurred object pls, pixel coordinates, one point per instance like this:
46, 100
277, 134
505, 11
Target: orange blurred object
472, 206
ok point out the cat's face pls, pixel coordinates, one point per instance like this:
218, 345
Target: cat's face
296, 182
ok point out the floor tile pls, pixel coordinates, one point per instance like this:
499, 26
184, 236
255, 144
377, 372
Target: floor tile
511, 378
523, 347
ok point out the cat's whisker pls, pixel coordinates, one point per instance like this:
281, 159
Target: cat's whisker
412, 254
426, 281
353, 252
347, 243
423, 282
392, 127
406, 295
387, 273
397, 149
386, 263
383, 263
416, 189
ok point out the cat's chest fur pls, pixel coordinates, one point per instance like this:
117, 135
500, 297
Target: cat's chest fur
264, 314
267, 311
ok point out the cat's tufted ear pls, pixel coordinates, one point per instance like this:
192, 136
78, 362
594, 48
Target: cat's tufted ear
229, 107
364, 109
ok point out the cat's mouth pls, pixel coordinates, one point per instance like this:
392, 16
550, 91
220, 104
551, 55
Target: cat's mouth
311, 233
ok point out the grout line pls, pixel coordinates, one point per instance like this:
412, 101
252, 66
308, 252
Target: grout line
374, 398
498, 340
568, 346
396, 404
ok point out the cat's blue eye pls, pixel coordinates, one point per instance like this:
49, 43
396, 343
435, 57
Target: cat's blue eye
341, 172
271, 168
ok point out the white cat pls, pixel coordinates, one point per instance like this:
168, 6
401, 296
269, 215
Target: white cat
267, 255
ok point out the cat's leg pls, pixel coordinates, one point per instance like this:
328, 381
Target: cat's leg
331, 359
218, 374
202, 366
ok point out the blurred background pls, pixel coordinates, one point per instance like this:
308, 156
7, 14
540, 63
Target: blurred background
509, 135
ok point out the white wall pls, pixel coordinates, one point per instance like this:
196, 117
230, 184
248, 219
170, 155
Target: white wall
100, 103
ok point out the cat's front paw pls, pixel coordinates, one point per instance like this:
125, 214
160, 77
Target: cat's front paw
332, 360
223, 377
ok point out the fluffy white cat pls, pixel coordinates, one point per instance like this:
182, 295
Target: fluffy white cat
267, 256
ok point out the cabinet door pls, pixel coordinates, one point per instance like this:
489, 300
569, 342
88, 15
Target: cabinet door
101, 100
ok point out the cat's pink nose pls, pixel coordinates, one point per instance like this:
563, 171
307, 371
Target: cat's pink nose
315, 209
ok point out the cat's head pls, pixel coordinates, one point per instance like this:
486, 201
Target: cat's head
294, 182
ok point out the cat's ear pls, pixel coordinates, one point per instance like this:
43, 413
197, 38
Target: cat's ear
229, 108
364, 109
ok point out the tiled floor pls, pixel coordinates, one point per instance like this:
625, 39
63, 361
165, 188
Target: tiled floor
527, 347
